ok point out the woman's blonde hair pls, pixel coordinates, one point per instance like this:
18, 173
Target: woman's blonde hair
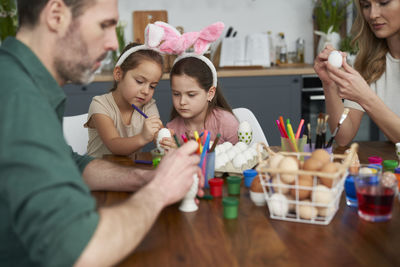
371, 58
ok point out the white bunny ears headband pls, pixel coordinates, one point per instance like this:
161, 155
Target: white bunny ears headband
165, 39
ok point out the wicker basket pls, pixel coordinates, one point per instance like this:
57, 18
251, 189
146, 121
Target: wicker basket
289, 207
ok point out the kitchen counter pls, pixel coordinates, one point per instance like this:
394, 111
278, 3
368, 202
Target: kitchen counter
292, 69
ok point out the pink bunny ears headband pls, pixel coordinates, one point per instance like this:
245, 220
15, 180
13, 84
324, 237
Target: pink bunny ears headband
165, 39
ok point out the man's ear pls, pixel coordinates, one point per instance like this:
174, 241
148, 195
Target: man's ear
57, 16
211, 93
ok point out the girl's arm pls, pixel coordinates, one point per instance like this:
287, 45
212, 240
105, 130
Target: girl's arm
333, 102
124, 145
352, 86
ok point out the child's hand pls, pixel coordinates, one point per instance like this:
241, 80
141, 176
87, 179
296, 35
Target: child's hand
168, 143
150, 127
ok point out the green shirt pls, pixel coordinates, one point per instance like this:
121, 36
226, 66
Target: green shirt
47, 215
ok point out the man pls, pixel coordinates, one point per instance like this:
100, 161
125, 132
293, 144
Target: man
47, 215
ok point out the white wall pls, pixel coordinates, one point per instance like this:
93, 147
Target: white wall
293, 17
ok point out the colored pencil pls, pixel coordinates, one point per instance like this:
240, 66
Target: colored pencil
215, 142
184, 138
204, 152
176, 140
283, 126
291, 137
138, 110
299, 128
139, 161
280, 128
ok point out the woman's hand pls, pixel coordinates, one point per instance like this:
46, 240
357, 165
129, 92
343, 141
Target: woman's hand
351, 85
320, 63
150, 127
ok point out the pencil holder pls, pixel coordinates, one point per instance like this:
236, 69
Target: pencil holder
210, 168
287, 145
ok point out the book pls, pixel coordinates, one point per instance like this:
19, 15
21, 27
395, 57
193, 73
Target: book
249, 50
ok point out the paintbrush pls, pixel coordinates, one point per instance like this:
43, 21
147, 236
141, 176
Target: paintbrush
309, 142
342, 118
324, 127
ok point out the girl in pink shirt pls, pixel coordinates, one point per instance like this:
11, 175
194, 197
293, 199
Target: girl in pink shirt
198, 103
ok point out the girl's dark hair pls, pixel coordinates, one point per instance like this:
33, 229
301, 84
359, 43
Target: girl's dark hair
199, 70
134, 59
29, 11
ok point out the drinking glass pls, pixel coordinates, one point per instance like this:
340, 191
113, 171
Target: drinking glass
375, 194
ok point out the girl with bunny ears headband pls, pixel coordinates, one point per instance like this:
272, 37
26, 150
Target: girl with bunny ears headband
198, 103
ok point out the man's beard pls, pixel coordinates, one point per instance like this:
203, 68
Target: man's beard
72, 61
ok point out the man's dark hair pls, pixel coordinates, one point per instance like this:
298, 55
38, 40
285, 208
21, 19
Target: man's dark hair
29, 10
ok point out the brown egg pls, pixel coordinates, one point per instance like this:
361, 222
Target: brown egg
321, 155
304, 180
288, 164
330, 167
256, 185
312, 164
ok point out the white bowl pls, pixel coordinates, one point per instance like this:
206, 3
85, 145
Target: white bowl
258, 198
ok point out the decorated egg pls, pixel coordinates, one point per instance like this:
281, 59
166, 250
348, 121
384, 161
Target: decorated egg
245, 133
163, 132
335, 59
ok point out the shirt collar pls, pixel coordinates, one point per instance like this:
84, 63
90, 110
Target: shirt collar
36, 70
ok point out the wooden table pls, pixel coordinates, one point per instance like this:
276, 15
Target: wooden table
205, 238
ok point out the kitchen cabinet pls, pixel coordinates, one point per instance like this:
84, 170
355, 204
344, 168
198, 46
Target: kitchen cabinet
268, 97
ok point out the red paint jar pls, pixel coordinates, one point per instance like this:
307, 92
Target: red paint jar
216, 186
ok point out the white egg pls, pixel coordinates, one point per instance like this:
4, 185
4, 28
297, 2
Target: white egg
231, 154
223, 158
307, 211
252, 151
218, 163
241, 146
322, 195
219, 149
227, 145
238, 161
278, 205
163, 132
335, 59
247, 155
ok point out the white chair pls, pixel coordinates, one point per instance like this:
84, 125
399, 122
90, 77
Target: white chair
244, 114
75, 134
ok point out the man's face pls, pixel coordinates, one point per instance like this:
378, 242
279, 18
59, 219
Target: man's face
85, 44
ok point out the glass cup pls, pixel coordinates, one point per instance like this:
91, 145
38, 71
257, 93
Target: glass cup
287, 145
210, 168
375, 194
349, 184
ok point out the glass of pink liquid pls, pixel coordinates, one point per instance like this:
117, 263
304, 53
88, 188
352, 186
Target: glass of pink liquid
375, 196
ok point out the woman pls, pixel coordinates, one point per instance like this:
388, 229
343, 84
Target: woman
374, 85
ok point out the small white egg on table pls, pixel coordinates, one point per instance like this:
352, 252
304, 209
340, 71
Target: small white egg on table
278, 205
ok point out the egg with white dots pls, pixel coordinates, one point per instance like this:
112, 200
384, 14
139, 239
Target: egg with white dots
335, 59
163, 132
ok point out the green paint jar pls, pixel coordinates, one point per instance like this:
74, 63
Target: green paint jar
234, 185
230, 207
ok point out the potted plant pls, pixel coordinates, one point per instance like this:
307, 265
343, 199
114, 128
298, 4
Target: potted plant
347, 45
8, 19
329, 16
